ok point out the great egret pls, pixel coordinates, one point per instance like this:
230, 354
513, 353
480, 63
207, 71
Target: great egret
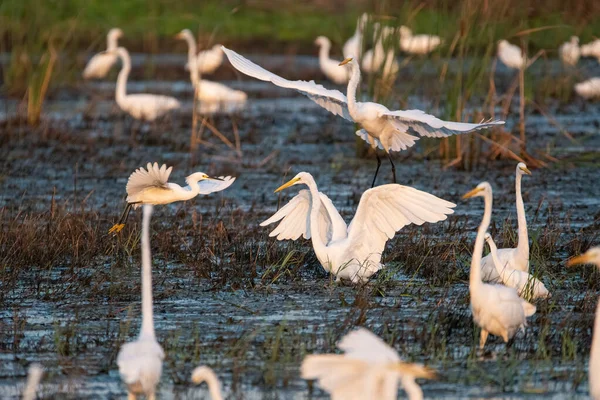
34, 376
205, 374
569, 52
527, 286
101, 63
381, 128
588, 89
140, 362
512, 258
417, 44
591, 49
354, 252
369, 369
207, 91
496, 309
374, 59
592, 256
140, 105
353, 46
207, 61
328, 66
151, 186
511, 55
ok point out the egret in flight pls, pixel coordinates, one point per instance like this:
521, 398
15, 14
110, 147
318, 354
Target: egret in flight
417, 44
353, 46
381, 128
152, 186
101, 63
206, 374
368, 369
353, 252
34, 376
140, 362
328, 66
569, 52
496, 309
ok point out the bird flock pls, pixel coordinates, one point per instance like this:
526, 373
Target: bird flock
502, 286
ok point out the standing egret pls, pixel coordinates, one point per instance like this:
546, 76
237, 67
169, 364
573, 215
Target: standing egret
588, 89
207, 61
592, 256
151, 186
140, 362
353, 46
207, 91
512, 258
511, 55
328, 66
496, 309
381, 128
140, 105
205, 374
369, 369
101, 63
591, 49
372, 59
528, 287
34, 376
417, 44
354, 252
569, 52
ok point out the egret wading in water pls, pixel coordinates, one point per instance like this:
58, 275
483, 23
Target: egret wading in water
34, 376
353, 46
206, 374
592, 256
101, 63
328, 66
368, 369
381, 128
152, 186
140, 362
496, 309
353, 252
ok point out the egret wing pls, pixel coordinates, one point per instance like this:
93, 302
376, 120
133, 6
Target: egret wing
333, 101
153, 176
208, 186
362, 344
338, 375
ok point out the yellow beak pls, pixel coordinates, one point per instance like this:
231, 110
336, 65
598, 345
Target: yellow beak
526, 170
416, 370
581, 259
346, 61
472, 193
286, 185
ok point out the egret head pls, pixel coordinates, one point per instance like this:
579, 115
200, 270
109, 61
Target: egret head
184, 34
115, 33
299, 179
200, 176
347, 61
592, 256
413, 370
479, 191
218, 47
522, 169
574, 40
322, 41
502, 43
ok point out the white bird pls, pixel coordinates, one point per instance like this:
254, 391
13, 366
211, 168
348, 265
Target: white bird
374, 58
101, 63
140, 105
207, 91
354, 252
207, 61
528, 287
140, 362
496, 309
353, 46
205, 374
511, 55
417, 44
369, 369
512, 258
588, 89
569, 52
328, 66
591, 49
381, 128
34, 376
592, 256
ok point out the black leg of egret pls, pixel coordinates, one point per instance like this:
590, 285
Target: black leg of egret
122, 219
393, 166
377, 170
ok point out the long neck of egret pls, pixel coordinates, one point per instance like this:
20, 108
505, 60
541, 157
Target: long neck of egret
111, 41
121, 91
192, 60
523, 245
147, 314
323, 53
214, 386
475, 274
351, 92
594, 366
500, 269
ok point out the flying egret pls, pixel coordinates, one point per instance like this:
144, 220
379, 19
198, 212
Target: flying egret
417, 44
592, 256
353, 252
207, 61
207, 91
528, 287
205, 374
140, 105
591, 49
381, 128
101, 63
588, 89
328, 66
151, 186
369, 369
140, 362
569, 52
353, 46
34, 376
496, 309
511, 55
512, 258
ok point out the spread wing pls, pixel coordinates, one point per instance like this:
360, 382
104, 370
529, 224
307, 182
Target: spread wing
208, 186
333, 101
153, 176
363, 344
295, 219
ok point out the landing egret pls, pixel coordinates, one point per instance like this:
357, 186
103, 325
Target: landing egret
381, 128
354, 252
205, 374
496, 309
591, 49
207, 91
569, 52
328, 66
592, 256
34, 376
528, 287
151, 186
513, 258
353, 46
101, 63
207, 61
140, 362
369, 369
588, 89
417, 44
140, 105
511, 55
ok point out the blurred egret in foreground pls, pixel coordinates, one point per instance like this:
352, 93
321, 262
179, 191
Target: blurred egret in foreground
205, 374
591, 49
381, 128
569, 52
207, 61
417, 44
353, 46
353, 252
496, 309
588, 89
328, 66
151, 186
140, 362
369, 369
34, 376
101, 63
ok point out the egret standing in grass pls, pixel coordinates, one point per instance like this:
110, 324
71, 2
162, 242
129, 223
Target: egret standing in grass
34, 376
206, 374
328, 66
381, 128
101, 63
417, 44
353, 46
207, 61
569, 52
